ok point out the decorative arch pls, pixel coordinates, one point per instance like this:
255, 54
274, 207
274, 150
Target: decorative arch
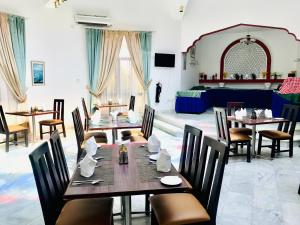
261, 44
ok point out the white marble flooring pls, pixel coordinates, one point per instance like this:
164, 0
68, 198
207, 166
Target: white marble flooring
262, 192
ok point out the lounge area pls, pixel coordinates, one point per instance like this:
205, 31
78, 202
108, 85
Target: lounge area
148, 112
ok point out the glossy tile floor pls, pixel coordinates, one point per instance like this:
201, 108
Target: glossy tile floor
263, 192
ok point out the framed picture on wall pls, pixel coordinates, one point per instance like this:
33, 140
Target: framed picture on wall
38, 73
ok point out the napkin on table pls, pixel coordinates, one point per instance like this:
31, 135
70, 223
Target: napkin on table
239, 114
114, 114
163, 163
96, 117
132, 117
268, 113
87, 166
91, 146
153, 144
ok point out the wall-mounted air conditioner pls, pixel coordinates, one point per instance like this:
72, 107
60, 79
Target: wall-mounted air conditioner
90, 20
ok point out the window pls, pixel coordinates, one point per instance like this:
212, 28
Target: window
123, 82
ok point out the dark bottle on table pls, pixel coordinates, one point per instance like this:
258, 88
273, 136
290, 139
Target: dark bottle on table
123, 155
253, 115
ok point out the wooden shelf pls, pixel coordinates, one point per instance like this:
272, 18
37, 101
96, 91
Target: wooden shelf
241, 81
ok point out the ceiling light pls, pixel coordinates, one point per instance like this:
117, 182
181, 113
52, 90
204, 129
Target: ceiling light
248, 40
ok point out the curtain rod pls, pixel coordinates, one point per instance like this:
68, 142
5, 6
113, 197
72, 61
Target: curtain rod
11, 14
100, 28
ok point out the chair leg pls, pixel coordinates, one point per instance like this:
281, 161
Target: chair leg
7, 143
291, 146
273, 149
15, 139
51, 130
299, 190
153, 219
41, 131
248, 152
147, 205
64, 129
278, 146
26, 138
259, 144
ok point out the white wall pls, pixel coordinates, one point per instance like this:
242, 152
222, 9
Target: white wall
208, 15
53, 37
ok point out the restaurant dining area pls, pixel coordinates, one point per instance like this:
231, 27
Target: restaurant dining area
148, 113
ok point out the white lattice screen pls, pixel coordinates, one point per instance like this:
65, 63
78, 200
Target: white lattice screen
245, 59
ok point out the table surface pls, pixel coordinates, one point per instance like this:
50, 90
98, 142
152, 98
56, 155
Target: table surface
248, 121
29, 113
126, 179
120, 123
110, 105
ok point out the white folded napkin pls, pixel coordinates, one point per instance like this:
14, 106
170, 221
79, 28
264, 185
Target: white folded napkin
114, 114
163, 163
90, 146
96, 117
268, 113
87, 166
132, 117
153, 144
121, 142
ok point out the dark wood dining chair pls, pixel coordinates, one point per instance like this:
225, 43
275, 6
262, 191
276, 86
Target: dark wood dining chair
58, 119
59, 159
285, 131
131, 106
9, 130
82, 136
146, 130
224, 135
200, 206
55, 209
87, 115
236, 127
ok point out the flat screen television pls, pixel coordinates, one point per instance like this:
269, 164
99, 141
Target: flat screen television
164, 60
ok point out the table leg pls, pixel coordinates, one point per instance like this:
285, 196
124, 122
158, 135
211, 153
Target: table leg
253, 139
127, 210
114, 135
33, 129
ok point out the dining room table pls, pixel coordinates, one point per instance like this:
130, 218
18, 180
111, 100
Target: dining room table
110, 106
32, 114
139, 176
107, 123
253, 123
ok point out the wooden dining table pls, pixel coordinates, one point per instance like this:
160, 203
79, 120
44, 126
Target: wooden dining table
110, 106
114, 125
253, 123
135, 178
32, 114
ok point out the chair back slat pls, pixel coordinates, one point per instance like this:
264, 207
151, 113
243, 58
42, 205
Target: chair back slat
289, 112
79, 131
145, 117
190, 151
59, 159
210, 174
231, 108
3, 124
149, 123
222, 125
132, 103
59, 107
47, 182
86, 115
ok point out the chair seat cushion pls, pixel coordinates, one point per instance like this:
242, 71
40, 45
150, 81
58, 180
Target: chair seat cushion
275, 134
179, 208
241, 130
124, 114
132, 133
100, 137
236, 137
16, 128
138, 139
86, 212
51, 122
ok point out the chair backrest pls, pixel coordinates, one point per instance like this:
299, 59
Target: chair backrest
59, 106
86, 114
209, 175
59, 159
148, 120
132, 103
289, 112
231, 108
79, 131
3, 124
191, 145
222, 125
47, 183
